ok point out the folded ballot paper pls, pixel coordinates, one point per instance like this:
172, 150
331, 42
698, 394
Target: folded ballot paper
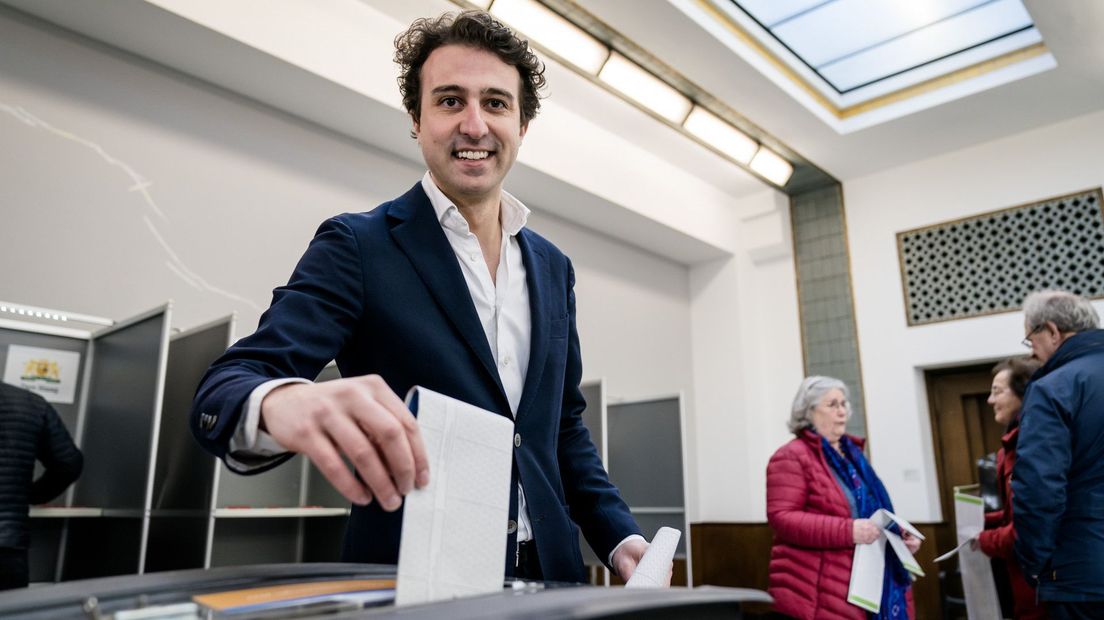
978, 586
453, 540
655, 566
868, 567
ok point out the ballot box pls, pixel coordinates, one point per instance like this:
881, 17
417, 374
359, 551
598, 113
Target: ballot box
349, 590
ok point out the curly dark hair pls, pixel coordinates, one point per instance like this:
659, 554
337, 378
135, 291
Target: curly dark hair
475, 29
1019, 370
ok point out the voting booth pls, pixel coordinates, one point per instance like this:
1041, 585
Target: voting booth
149, 499
642, 444
105, 379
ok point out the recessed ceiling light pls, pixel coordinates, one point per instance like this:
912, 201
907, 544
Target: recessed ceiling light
644, 88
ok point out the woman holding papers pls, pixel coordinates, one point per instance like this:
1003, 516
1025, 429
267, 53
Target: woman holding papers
820, 492
1010, 379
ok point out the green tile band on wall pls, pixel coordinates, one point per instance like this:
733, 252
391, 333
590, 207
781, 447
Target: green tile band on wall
825, 302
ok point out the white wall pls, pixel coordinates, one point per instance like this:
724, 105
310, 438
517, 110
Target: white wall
1051, 161
124, 185
747, 360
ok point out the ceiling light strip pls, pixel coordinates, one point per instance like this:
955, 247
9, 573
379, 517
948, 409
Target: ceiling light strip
631, 80
570, 42
35, 312
771, 166
722, 136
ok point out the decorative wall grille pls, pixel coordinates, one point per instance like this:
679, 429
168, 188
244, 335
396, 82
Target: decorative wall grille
988, 263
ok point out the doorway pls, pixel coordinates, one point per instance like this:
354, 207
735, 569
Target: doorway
963, 428
963, 431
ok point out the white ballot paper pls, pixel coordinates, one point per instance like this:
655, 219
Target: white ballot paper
868, 566
454, 530
654, 567
978, 585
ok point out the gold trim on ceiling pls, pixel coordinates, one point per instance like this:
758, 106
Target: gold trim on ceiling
897, 96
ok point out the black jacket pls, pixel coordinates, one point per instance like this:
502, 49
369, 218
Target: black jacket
30, 430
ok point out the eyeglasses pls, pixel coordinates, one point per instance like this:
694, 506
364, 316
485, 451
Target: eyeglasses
1027, 340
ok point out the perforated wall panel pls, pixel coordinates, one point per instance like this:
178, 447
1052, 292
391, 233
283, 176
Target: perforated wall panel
988, 263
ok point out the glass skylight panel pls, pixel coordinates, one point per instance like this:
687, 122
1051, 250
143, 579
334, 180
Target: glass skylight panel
770, 12
844, 27
855, 43
963, 32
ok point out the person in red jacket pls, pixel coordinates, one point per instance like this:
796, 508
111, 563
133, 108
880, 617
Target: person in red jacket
820, 492
1010, 379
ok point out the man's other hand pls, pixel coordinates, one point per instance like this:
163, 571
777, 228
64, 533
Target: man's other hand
628, 555
361, 418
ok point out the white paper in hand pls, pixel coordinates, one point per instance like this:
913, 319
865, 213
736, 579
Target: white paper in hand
454, 530
654, 567
868, 565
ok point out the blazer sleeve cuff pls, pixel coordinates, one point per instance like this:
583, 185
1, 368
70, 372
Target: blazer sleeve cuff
251, 448
609, 560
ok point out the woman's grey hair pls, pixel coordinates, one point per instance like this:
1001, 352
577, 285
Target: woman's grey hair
1069, 312
810, 392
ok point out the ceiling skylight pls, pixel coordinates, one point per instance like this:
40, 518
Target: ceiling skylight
851, 44
855, 56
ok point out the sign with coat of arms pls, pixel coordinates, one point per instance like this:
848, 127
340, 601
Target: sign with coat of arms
50, 373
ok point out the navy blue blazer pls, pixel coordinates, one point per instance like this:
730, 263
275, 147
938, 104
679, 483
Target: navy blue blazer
381, 293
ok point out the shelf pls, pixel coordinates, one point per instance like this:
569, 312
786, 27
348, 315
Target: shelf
64, 512
178, 513
124, 513
300, 511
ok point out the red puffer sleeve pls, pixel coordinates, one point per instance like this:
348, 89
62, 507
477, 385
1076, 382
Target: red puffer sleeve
997, 542
794, 521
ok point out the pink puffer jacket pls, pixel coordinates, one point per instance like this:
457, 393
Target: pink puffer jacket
810, 566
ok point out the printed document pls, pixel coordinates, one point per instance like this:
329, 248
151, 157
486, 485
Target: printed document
868, 566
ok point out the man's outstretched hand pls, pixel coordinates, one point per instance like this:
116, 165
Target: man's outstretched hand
360, 418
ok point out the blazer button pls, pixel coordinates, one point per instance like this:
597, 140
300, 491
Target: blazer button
517, 440
511, 526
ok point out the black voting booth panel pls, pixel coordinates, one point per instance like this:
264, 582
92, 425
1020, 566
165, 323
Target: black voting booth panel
112, 419
84, 599
641, 444
118, 435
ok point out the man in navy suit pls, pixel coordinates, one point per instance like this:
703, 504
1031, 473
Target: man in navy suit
445, 288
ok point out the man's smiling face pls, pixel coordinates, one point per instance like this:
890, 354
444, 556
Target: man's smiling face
470, 127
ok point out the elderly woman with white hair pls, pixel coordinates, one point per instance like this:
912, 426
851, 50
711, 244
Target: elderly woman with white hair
821, 492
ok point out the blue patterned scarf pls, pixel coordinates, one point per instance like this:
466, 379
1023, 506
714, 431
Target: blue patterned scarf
870, 495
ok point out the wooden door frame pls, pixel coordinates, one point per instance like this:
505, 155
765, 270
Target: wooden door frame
931, 378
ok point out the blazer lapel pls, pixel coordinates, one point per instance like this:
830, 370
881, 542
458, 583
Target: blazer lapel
418, 234
537, 276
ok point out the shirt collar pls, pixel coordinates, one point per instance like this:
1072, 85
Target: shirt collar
513, 214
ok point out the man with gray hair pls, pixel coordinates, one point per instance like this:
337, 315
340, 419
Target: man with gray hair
1058, 479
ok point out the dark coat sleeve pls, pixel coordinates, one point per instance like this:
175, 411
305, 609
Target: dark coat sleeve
595, 503
60, 458
1039, 478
